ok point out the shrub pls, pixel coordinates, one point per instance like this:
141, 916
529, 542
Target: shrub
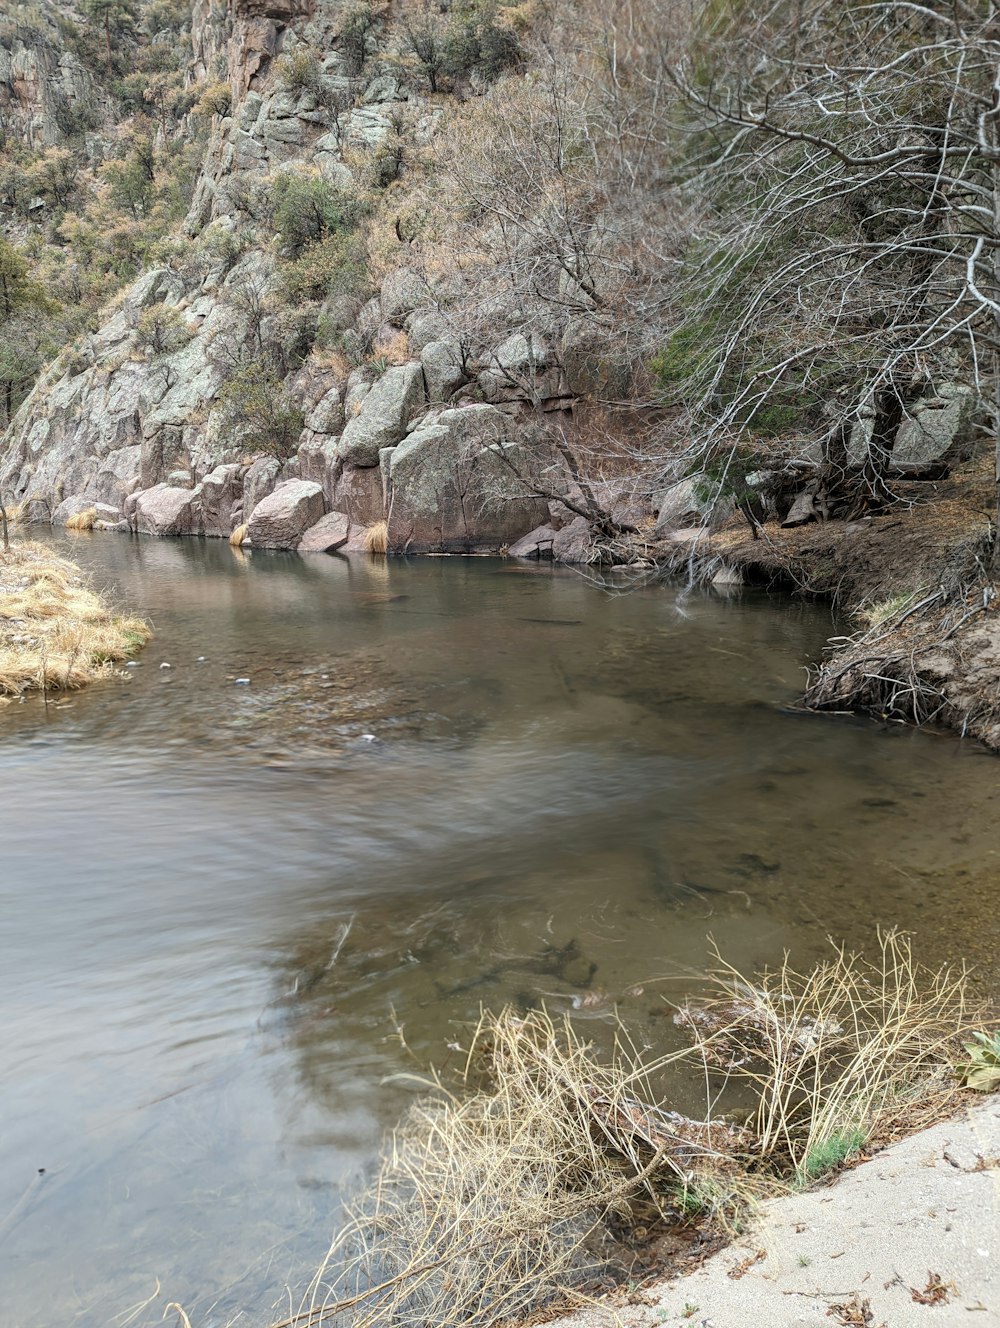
255, 402
354, 38
306, 209
217, 99
160, 330
300, 72
334, 265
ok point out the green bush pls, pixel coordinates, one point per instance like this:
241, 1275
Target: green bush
354, 38
255, 402
306, 208
334, 265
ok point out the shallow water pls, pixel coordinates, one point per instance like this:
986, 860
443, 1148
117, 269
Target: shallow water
230, 911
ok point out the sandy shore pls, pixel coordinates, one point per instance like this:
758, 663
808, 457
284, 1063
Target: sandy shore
910, 1237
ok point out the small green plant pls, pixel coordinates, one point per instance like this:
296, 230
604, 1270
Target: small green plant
804, 1261
982, 1070
828, 1154
690, 1309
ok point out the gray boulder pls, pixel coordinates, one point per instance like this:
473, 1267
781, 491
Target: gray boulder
455, 486
331, 532
163, 510
536, 544
441, 362
403, 292
221, 494
259, 481
280, 520
385, 412
574, 543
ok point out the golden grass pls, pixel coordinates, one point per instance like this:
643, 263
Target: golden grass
376, 538
395, 350
488, 1198
239, 535
851, 1049
485, 1199
56, 633
82, 520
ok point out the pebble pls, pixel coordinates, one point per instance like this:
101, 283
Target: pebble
132, 664
200, 659
242, 682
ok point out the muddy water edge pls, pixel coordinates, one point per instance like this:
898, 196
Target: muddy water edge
241, 895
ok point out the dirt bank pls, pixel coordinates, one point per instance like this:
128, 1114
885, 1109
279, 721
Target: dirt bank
56, 634
915, 581
910, 1237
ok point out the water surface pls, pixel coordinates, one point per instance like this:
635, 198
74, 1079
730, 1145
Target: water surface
231, 910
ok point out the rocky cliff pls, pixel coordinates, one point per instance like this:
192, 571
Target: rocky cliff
316, 326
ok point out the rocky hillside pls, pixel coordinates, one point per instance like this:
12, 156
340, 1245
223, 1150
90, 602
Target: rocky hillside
396, 292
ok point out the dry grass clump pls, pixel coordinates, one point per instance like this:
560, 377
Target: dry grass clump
82, 520
55, 633
486, 1201
493, 1201
851, 1053
239, 535
376, 538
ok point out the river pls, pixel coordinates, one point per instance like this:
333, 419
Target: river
241, 896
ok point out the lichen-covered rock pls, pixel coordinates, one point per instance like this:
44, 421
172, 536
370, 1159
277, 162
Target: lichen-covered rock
331, 532
441, 362
221, 494
455, 484
385, 412
259, 481
280, 520
403, 292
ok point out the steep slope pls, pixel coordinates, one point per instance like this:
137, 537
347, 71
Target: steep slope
337, 310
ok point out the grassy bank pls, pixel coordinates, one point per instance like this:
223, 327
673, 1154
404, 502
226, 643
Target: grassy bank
551, 1170
56, 633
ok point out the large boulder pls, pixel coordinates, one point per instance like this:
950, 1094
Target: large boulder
575, 542
403, 292
280, 520
456, 486
331, 532
259, 481
384, 414
221, 494
164, 510
536, 544
937, 427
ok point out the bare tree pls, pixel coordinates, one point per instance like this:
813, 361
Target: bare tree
851, 154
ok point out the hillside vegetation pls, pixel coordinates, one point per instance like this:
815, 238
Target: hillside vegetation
577, 280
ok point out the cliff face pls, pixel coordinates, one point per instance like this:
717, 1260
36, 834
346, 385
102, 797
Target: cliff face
304, 322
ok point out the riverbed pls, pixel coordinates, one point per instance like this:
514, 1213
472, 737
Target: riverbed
245, 898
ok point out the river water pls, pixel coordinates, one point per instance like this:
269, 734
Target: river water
234, 913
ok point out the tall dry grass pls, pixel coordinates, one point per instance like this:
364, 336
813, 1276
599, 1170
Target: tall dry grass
853, 1050
55, 632
489, 1197
82, 520
376, 538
